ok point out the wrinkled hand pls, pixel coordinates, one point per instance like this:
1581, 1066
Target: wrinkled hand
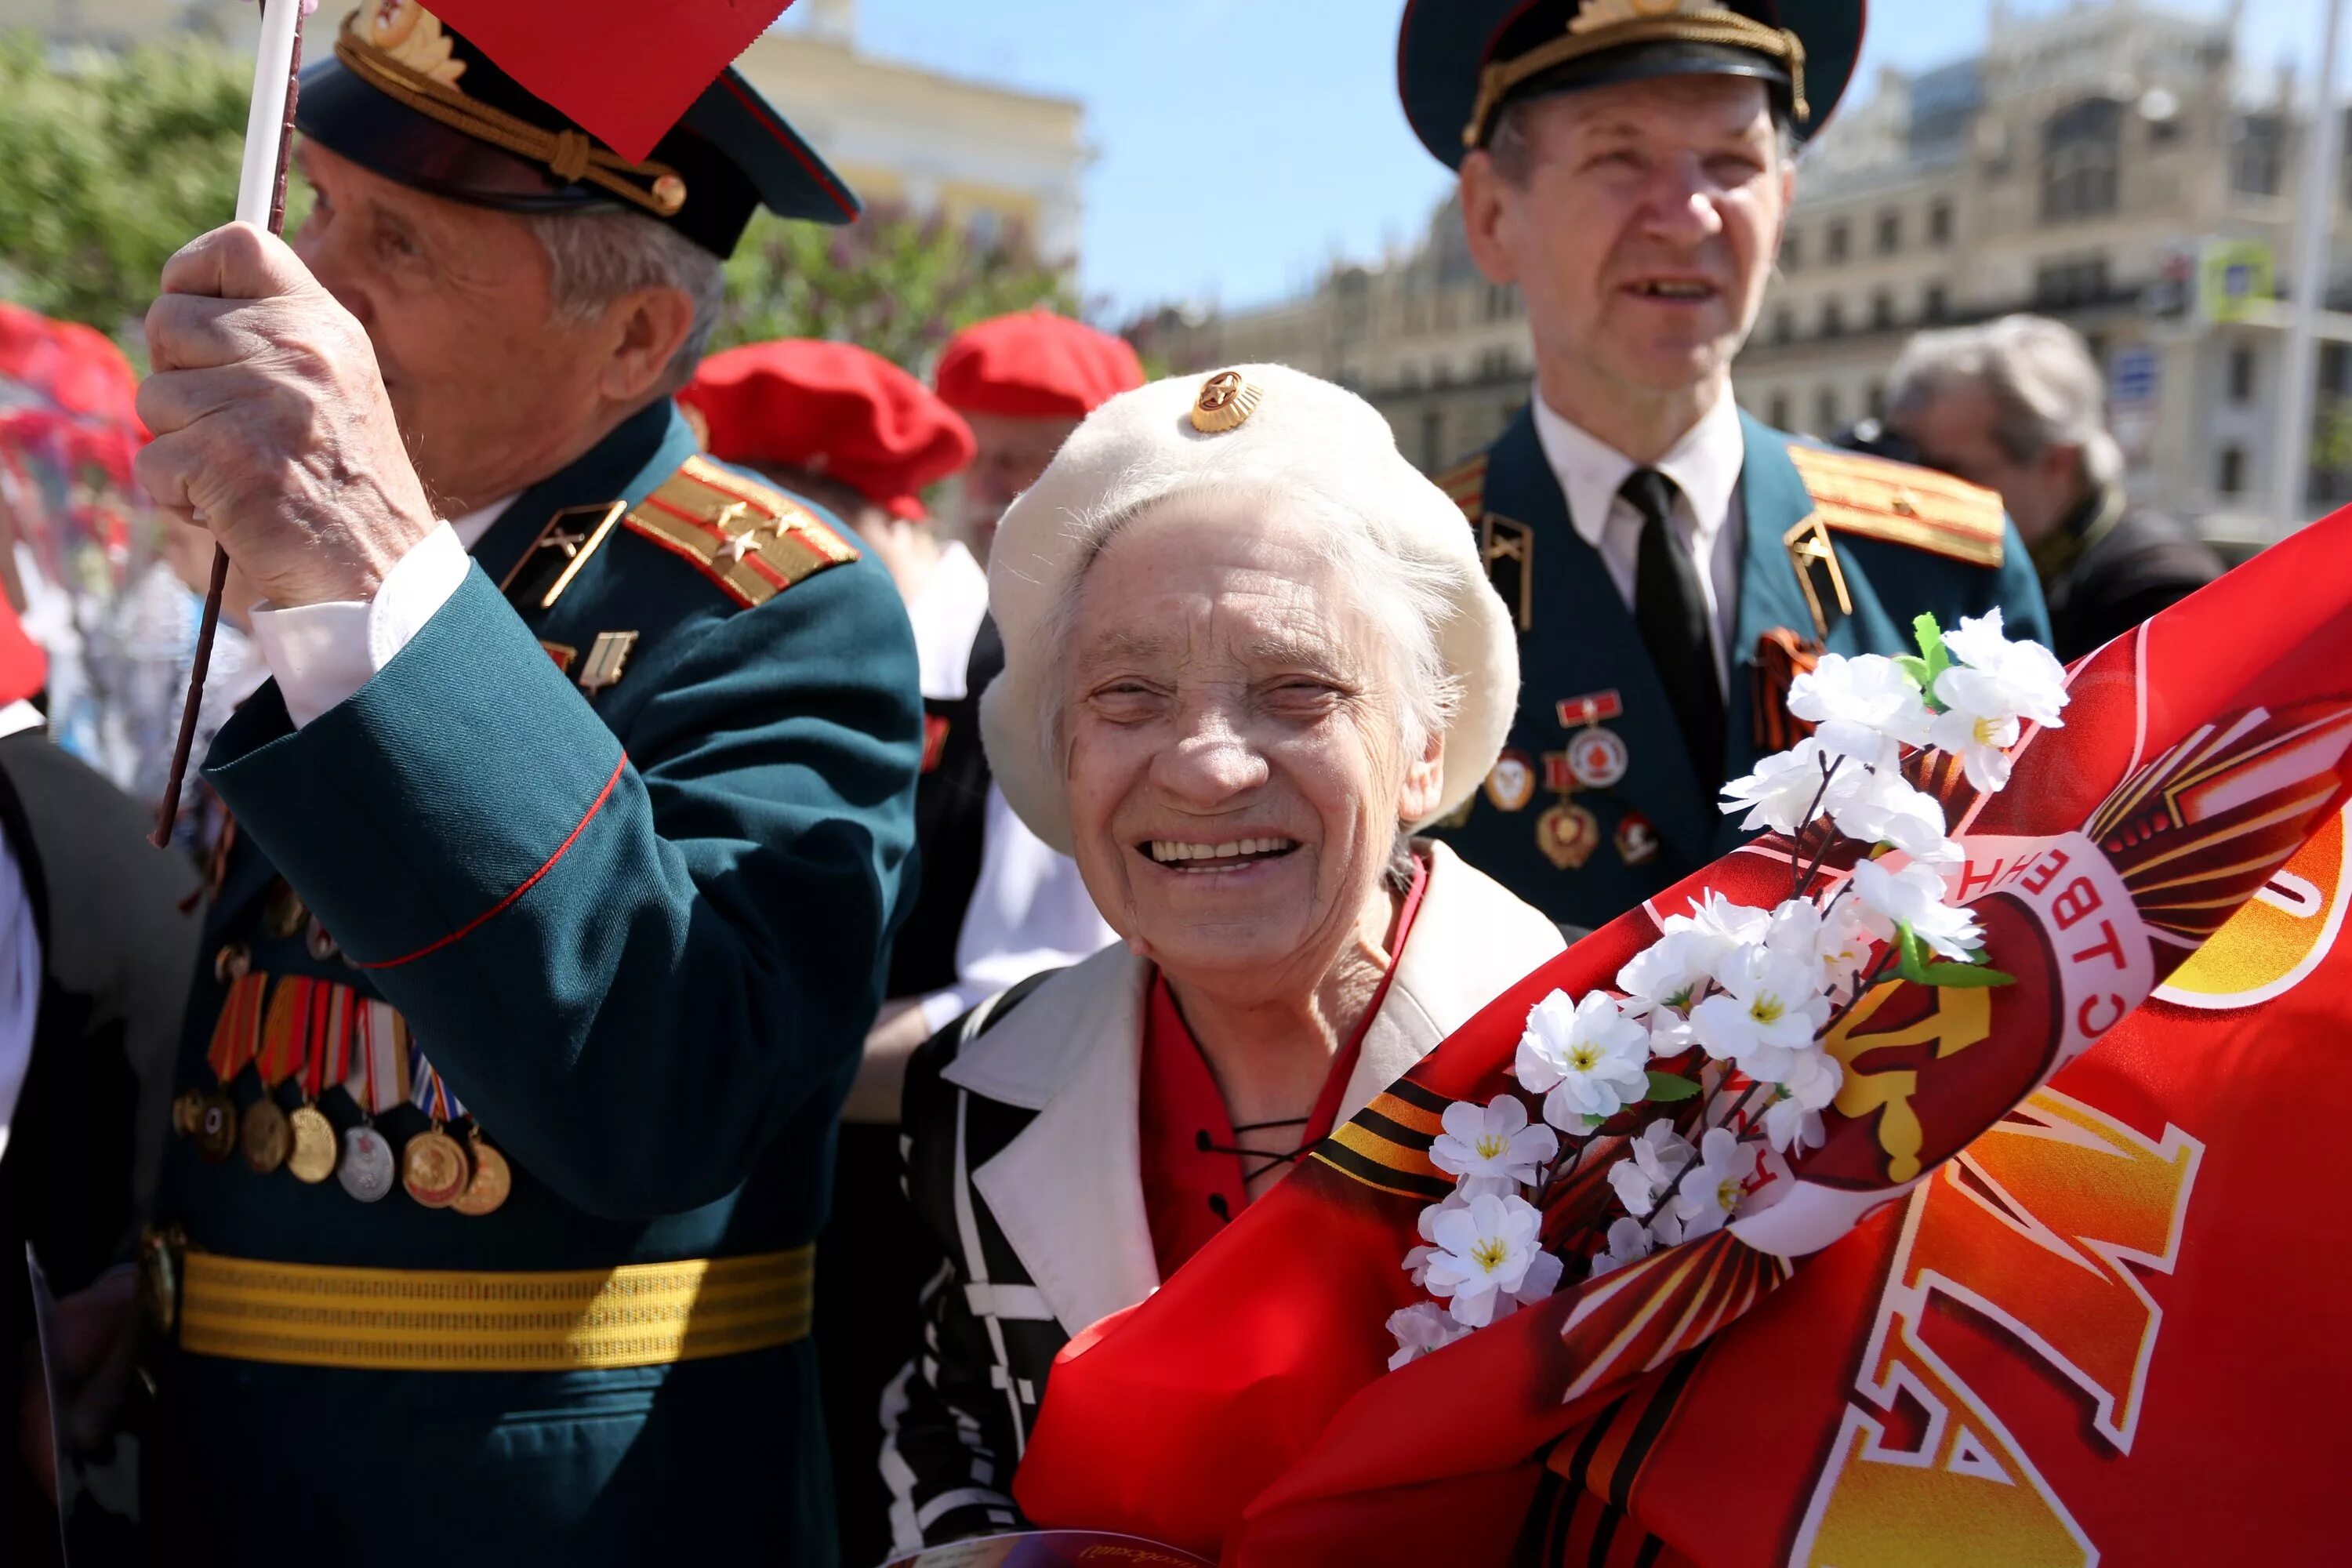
98, 1342
271, 425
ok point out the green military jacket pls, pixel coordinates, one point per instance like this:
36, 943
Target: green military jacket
628, 864
1595, 805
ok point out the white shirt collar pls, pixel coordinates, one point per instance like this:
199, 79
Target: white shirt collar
470, 528
1704, 465
20, 716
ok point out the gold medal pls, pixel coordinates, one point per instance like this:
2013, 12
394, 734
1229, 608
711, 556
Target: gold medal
1568, 833
493, 1179
216, 1131
266, 1138
434, 1169
285, 914
315, 1145
188, 1113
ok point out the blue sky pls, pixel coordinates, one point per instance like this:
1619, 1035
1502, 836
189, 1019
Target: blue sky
1242, 143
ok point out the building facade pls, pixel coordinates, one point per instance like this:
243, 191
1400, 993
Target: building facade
2109, 165
986, 157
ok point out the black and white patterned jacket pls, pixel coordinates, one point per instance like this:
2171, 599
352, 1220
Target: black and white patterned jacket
1023, 1158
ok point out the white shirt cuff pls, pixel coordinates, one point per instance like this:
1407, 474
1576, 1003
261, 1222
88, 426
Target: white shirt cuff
323, 654
941, 1008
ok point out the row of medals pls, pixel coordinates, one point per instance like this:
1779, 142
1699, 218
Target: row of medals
437, 1171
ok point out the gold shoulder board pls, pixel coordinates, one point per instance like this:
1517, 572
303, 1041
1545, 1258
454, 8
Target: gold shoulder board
1465, 485
751, 540
1918, 506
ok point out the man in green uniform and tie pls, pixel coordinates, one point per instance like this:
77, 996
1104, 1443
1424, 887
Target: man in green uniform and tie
563, 876
1672, 564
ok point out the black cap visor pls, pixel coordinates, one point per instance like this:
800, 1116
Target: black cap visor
1649, 62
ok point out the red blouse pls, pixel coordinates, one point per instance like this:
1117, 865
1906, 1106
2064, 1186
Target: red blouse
1194, 1180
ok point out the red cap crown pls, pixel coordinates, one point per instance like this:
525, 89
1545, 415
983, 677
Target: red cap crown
1035, 365
833, 409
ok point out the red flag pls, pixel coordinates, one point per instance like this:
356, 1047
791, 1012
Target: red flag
1246, 1406
627, 71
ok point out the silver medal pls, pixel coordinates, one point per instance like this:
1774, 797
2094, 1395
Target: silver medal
366, 1167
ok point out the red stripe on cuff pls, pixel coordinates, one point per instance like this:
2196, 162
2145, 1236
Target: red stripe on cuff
474, 924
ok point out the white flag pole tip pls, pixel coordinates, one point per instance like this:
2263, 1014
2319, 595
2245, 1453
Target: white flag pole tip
265, 122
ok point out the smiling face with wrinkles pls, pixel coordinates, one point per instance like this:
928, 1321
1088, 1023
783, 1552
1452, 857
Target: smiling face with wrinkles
1233, 751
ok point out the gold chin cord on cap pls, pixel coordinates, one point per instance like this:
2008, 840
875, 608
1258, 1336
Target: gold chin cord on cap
569, 155
1727, 28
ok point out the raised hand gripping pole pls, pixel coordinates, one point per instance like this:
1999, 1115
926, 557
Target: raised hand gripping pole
260, 199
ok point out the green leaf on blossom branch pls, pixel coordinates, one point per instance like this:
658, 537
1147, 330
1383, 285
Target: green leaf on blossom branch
1666, 1088
1920, 966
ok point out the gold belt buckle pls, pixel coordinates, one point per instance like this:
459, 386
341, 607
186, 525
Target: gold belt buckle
160, 1249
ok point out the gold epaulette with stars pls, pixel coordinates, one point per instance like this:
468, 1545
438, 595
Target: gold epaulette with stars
751, 540
1876, 499
1465, 485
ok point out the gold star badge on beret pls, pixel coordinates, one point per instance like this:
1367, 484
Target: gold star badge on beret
1228, 400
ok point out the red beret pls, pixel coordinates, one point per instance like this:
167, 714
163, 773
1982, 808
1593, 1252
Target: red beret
1035, 365
833, 409
23, 668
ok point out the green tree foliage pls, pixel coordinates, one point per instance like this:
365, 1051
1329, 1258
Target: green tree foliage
112, 163
894, 282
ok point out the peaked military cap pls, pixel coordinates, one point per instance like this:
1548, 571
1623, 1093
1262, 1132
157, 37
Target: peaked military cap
1460, 63
415, 102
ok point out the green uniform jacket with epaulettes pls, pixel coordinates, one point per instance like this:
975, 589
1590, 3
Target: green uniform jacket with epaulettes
641, 932
1904, 541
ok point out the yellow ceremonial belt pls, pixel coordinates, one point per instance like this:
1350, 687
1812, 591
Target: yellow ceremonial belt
415, 1320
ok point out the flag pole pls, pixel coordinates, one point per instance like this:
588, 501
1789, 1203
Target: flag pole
260, 201
2288, 505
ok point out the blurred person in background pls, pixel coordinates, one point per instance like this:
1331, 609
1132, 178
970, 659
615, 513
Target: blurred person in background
847, 427
1249, 655
2018, 406
1023, 382
1671, 564
98, 933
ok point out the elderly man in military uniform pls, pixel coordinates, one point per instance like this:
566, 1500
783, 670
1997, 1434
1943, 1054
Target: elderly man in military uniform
561, 877
1671, 563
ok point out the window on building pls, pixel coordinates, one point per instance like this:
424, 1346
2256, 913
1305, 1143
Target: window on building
2079, 280
1832, 319
1836, 242
1933, 305
1776, 412
1432, 439
2258, 154
1940, 223
2333, 365
1890, 233
1784, 325
1792, 250
1825, 412
2079, 149
1882, 310
1495, 364
2241, 374
1877, 400
2231, 478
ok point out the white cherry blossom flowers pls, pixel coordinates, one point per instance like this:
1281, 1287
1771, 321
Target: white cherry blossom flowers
1492, 1148
1588, 1059
1484, 1252
1718, 1035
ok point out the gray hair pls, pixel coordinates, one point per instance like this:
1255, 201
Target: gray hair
1402, 585
1512, 148
600, 256
2040, 375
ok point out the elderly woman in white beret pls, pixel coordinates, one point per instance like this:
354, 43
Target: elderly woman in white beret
1248, 652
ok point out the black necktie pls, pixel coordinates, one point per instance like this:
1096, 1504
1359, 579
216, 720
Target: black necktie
1672, 616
